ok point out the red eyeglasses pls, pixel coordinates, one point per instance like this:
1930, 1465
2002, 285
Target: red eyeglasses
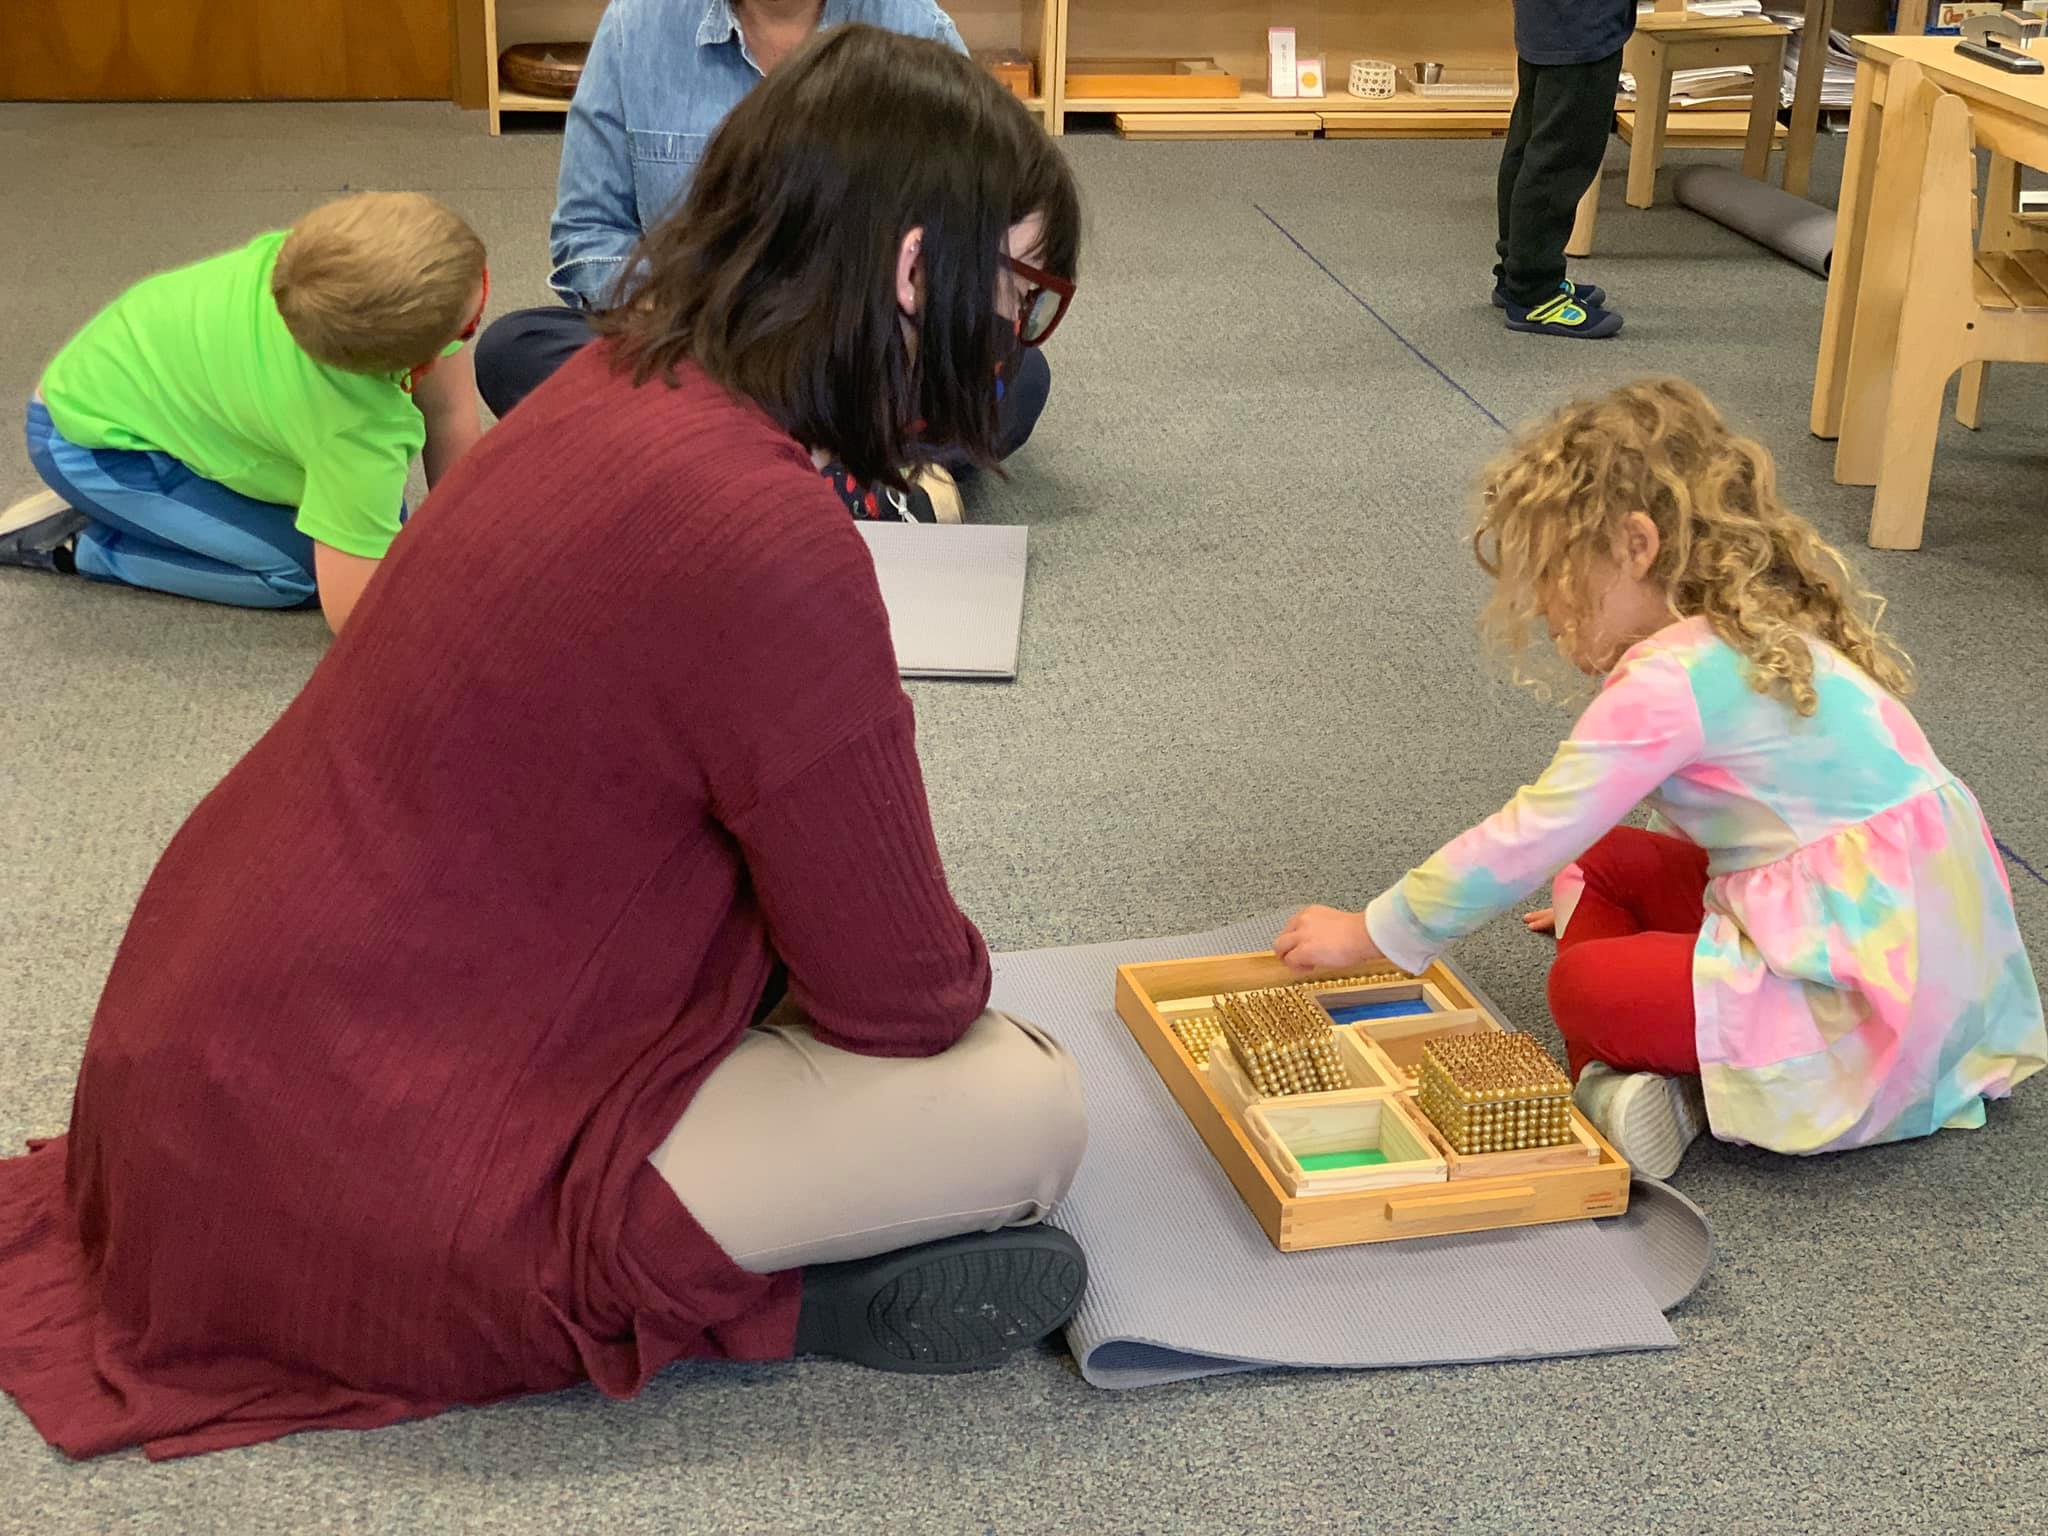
414, 375
1044, 303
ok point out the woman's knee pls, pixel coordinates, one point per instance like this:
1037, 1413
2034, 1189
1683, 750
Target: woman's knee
1025, 1092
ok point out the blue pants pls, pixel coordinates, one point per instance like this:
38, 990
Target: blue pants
156, 524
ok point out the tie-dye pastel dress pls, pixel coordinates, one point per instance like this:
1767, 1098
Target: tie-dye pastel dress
1860, 975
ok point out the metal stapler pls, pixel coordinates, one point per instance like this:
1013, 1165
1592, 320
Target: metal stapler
2000, 41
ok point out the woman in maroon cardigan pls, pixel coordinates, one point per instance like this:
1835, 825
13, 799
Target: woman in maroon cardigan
424, 1074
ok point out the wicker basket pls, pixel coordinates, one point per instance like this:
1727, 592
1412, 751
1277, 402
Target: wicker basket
1372, 79
543, 69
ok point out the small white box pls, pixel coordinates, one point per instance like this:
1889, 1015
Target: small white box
1282, 81
1308, 76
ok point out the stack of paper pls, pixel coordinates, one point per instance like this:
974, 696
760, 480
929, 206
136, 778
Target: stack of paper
1711, 7
1838, 76
1698, 87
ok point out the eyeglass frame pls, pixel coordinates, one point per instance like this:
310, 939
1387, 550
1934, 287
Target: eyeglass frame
1041, 281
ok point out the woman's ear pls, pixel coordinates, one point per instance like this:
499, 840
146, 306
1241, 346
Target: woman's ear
909, 271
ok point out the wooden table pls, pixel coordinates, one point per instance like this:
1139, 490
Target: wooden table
1873, 229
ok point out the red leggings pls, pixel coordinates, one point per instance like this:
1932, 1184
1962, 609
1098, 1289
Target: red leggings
1621, 990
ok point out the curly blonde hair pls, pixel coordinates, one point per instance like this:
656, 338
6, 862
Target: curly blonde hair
1729, 551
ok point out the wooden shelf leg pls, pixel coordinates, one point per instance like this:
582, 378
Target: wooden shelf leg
1763, 119
1845, 276
1653, 106
1820, 19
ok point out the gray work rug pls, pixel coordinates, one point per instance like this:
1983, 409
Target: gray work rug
1183, 1283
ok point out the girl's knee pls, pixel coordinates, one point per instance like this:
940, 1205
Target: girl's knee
1577, 979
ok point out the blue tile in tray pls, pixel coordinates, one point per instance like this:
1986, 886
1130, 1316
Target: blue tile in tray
1387, 1008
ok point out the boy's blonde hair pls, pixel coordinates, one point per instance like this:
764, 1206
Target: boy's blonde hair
379, 282
1552, 506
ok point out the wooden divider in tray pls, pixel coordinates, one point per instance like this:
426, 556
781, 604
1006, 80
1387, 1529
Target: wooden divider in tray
1278, 1151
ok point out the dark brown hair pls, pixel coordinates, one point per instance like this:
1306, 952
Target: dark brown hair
777, 275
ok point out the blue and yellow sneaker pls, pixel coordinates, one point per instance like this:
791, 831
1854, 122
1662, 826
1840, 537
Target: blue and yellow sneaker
1564, 315
1592, 295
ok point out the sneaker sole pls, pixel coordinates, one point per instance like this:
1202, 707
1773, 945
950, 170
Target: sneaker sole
965, 1305
1539, 328
31, 510
1654, 1120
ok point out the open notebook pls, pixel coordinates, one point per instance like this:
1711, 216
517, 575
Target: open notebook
955, 595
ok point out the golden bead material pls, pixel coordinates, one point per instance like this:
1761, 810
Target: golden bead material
1494, 1092
1198, 1032
1283, 1039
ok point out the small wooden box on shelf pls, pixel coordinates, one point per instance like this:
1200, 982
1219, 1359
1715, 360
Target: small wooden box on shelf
1362, 1163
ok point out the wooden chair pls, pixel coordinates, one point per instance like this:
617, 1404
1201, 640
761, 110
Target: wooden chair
2003, 228
1962, 306
1670, 39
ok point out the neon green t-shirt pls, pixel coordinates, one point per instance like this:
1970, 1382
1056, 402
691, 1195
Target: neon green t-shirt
198, 363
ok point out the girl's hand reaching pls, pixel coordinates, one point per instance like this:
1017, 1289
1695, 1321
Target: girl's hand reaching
1542, 920
1322, 938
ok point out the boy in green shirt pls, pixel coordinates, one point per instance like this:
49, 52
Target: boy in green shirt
240, 430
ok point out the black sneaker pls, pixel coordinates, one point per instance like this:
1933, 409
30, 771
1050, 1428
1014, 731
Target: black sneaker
1564, 315
1592, 295
960, 1304
38, 531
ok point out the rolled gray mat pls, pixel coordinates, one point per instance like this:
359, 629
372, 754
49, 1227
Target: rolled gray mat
1666, 1240
1793, 227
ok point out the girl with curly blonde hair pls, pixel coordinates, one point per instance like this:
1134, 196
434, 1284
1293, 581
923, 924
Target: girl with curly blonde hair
1822, 953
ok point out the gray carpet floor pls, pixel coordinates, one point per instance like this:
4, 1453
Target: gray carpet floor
1249, 679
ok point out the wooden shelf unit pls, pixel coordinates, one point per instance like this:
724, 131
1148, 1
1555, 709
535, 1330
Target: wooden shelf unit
1030, 25
1460, 34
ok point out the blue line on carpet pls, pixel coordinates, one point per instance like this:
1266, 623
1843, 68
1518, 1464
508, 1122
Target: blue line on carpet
1364, 304
2006, 849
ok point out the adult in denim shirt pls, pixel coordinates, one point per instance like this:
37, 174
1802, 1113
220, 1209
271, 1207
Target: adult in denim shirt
662, 76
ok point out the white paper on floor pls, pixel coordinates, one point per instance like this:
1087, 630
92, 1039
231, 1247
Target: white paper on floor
955, 595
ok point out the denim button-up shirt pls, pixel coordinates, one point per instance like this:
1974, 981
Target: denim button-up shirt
662, 76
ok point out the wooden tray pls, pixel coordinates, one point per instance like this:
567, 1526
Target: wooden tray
1302, 1209
1165, 79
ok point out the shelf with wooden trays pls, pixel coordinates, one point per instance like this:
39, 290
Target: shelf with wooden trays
1285, 1153
1471, 39
1029, 27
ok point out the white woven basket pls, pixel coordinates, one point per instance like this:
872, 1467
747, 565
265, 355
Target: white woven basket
1372, 78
